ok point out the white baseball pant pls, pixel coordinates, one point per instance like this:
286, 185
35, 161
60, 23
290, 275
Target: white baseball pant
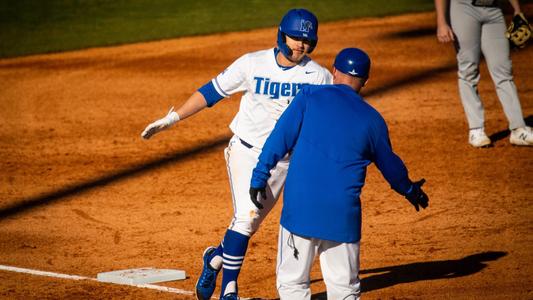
241, 159
339, 263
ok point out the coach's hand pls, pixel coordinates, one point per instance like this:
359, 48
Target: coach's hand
257, 194
416, 195
170, 119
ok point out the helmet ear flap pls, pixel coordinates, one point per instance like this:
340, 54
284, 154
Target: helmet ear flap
312, 46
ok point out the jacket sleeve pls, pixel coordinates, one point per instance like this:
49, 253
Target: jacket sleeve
388, 163
281, 140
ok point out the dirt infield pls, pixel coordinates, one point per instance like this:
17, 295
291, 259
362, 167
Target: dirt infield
81, 193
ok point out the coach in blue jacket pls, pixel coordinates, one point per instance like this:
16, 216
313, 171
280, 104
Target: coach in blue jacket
333, 135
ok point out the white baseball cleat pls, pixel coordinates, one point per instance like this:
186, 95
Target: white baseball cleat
478, 138
522, 136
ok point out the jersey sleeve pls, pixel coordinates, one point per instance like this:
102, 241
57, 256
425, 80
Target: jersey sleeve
233, 79
230, 81
282, 140
389, 164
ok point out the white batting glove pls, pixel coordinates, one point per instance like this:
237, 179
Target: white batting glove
170, 119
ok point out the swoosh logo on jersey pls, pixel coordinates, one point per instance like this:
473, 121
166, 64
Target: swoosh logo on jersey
309, 72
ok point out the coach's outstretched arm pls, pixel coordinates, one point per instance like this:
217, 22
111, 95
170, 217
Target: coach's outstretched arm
394, 170
194, 104
282, 139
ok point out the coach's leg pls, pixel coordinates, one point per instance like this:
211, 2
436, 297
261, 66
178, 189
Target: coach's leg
295, 259
339, 263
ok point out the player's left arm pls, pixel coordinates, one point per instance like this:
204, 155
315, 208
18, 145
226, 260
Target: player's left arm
516, 7
519, 31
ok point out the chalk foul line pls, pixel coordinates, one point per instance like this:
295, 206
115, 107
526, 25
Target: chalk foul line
76, 277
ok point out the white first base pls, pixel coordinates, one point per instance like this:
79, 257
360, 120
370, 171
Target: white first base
141, 276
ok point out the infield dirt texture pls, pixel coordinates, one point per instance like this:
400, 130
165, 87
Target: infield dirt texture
82, 193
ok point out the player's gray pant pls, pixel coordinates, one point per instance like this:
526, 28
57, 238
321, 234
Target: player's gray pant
482, 29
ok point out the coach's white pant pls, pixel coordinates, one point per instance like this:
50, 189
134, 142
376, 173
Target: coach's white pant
339, 263
240, 161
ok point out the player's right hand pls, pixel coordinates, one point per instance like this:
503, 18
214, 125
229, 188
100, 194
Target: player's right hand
170, 119
257, 194
445, 33
416, 195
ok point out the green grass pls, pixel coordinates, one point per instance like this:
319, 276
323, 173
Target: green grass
43, 26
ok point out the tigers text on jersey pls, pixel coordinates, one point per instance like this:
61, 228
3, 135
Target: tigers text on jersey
267, 88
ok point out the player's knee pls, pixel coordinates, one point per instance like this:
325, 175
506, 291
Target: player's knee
245, 226
469, 73
502, 72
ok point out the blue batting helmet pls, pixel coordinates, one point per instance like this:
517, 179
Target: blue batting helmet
354, 62
298, 23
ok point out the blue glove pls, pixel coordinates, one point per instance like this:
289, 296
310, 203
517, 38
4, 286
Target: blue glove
416, 195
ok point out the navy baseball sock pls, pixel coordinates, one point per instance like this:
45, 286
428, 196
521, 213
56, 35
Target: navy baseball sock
218, 250
234, 247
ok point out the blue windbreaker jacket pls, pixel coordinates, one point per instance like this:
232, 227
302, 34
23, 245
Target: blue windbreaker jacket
333, 135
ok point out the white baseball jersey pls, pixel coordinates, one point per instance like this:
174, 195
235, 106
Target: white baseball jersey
268, 89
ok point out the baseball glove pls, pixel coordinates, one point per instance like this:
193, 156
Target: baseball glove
519, 31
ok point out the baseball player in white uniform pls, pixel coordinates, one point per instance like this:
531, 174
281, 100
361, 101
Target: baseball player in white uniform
478, 26
269, 80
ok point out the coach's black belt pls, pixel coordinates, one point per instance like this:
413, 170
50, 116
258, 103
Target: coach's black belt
485, 3
247, 145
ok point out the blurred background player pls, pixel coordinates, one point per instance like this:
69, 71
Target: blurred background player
269, 80
333, 135
478, 26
